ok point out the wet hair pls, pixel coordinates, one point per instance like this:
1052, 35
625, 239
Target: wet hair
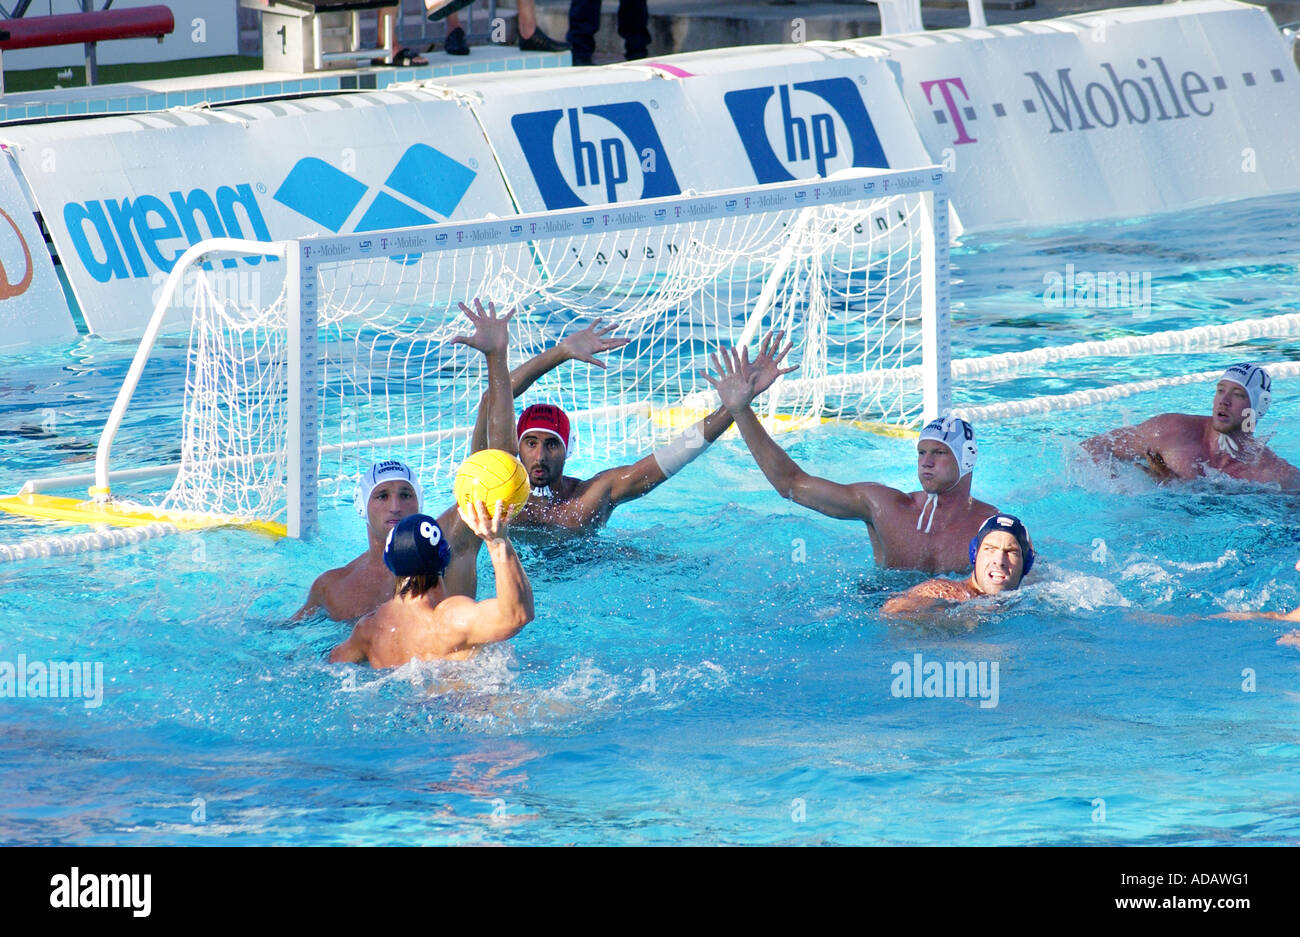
415, 586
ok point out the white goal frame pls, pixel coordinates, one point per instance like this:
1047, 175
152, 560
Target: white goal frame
302, 255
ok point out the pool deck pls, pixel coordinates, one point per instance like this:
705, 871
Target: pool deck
693, 25
197, 90
675, 26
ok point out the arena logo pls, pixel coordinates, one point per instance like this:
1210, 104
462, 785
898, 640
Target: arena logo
805, 129
126, 238
595, 155
1070, 100
425, 183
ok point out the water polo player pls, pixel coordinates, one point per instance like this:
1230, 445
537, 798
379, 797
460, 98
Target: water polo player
927, 529
422, 621
546, 441
389, 491
1291, 638
1182, 446
1001, 554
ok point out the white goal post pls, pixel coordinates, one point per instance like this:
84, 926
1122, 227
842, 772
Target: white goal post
343, 353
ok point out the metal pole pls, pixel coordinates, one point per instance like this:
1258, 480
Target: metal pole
92, 70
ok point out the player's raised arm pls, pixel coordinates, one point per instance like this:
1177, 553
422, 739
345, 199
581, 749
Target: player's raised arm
496, 415
629, 482
467, 623
736, 387
584, 345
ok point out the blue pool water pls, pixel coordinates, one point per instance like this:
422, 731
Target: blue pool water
713, 667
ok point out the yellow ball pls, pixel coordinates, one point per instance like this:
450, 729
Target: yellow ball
491, 475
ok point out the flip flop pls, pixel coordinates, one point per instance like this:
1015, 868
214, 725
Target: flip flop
407, 57
403, 58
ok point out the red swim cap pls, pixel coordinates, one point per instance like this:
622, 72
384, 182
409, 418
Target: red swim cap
545, 418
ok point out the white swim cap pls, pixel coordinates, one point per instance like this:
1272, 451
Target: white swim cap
958, 436
379, 473
1259, 386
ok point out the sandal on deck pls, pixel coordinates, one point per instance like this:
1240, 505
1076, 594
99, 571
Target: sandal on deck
407, 58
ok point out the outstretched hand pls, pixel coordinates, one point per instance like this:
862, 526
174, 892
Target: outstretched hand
733, 380
766, 368
591, 341
488, 525
491, 332
740, 380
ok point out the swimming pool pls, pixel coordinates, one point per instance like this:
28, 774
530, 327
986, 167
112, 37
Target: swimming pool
713, 668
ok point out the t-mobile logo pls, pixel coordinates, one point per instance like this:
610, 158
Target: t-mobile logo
945, 86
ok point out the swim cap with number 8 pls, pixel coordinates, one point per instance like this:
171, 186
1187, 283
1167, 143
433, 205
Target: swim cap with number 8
491, 475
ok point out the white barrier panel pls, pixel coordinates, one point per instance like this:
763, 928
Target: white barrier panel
1113, 114
797, 112
576, 145
32, 305
659, 129
124, 197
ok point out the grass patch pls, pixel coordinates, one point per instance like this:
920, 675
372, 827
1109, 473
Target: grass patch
43, 79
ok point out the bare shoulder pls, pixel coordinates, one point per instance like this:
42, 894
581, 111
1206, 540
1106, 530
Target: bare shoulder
924, 596
593, 493
320, 595
957, 591
331, 577
881, 497
1280, 470
881, 492
1176, 424
452, 619
600, 482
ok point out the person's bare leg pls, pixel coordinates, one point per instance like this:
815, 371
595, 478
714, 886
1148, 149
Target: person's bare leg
531, 36
456, 43
527, 17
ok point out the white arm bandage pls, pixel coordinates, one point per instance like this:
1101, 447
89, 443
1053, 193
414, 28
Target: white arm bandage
676, 455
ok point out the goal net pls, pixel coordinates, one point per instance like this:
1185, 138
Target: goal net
342, 355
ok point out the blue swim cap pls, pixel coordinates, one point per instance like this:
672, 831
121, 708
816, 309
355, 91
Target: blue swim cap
1011, 525
417, 547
